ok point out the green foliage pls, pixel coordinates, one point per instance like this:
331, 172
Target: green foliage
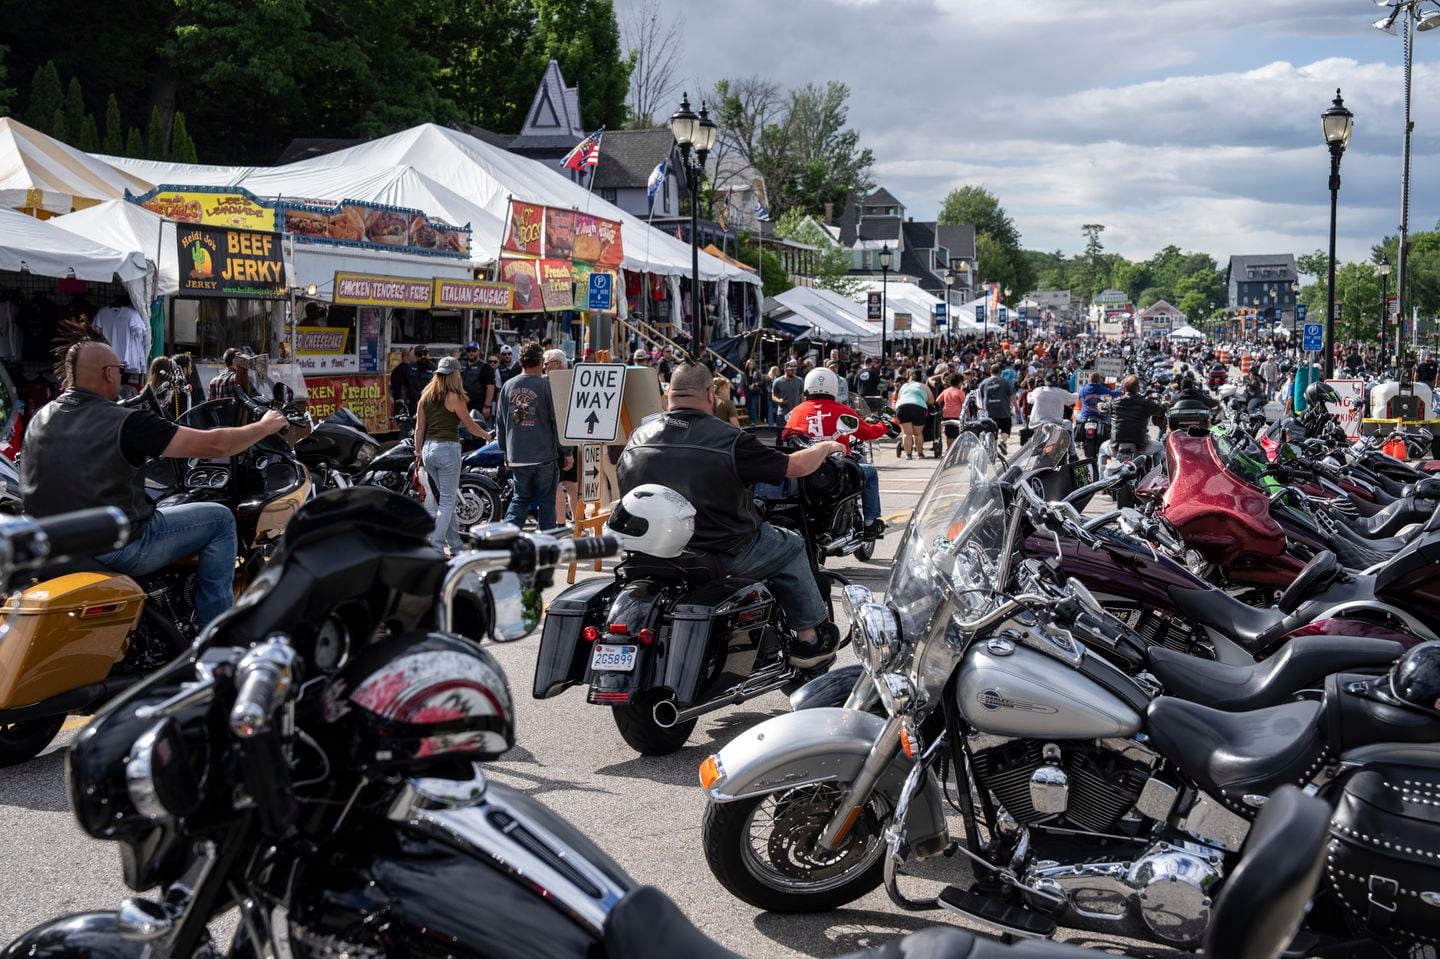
832, 262
89, 137
134, 146
182, 148
46, 97
489, 72
776, 280
997, 241
114, 142
156, 147
74, 106
57, 125
6, 93
584, 38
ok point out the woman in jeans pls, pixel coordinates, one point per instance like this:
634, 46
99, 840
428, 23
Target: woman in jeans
440, 414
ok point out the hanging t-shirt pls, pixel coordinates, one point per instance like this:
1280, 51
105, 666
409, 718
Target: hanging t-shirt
11, 339
128, 334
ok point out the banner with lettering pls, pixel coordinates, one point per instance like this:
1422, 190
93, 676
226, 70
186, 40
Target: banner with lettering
557, 285
363, 395
368, 224
582, 272
359, 289
524, 276
473, 295
233, 207
219, 261
527, 221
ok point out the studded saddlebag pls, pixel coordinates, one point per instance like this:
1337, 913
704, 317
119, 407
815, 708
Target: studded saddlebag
1383, 860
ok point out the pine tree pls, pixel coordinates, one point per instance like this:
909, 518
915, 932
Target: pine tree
46, 96
114, 142
155, 137
74, 107
89, 138
57, 126
182, 148
134, 146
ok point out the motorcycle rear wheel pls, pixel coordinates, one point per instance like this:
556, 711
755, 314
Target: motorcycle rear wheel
23, 741
637, 726
785, 825
477, 504
867, 552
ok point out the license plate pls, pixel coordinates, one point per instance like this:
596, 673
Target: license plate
613, 659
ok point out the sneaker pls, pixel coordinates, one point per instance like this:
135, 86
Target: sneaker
822, 647
909, 456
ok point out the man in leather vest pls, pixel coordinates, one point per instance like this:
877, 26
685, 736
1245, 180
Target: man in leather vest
83, 449
713, 465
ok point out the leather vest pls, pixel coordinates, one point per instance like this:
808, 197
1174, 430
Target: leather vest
693, 453
72, 460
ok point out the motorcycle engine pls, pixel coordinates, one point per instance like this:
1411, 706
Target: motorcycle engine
1082, 786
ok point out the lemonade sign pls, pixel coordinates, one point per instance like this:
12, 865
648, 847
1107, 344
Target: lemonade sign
217, 261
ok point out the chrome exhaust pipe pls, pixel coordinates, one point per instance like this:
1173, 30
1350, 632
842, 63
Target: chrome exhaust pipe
667, 714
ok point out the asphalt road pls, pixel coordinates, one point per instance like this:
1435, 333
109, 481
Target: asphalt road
644, 811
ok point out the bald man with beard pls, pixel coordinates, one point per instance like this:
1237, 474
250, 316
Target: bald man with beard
83, 449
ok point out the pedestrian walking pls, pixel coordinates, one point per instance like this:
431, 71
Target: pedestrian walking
912, 405
525, 426
509, 369
787, 392
439, 415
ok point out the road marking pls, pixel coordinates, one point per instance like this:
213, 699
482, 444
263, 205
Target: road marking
75, 722
901, 517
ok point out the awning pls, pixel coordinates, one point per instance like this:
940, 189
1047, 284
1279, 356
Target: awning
35, 246
40, 172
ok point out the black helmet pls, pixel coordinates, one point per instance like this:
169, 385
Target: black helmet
421, 699
1415, 678
1320, 392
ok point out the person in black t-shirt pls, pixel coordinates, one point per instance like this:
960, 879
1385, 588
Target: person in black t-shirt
479, 379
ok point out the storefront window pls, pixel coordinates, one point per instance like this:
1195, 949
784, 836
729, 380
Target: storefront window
426, 326
208, 327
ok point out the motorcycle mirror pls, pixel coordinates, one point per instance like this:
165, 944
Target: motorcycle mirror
516, 607
283, 394
845, 424
1082, 592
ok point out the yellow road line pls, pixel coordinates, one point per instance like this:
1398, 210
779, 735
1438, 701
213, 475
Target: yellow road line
75, 722
901, 517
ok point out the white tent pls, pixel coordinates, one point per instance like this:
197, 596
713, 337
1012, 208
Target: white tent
126, 226
35, 246
827, 319
1186, 332
38, 171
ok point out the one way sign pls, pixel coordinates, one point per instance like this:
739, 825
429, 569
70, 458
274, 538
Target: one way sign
596, 391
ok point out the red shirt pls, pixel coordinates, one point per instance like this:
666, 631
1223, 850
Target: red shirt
816, 418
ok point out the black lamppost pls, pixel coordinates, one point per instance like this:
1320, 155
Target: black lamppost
885, 256
949, 307
1385, 304
1337, 123
695, 134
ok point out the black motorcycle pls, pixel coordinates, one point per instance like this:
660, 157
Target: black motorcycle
479, 501
666, 641
337, 450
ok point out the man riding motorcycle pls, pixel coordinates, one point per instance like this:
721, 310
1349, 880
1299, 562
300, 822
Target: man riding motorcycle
1130, 417
713, 464
1189, 393
83, 449
817, 416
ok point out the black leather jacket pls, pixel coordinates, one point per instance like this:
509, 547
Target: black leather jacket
1130, 416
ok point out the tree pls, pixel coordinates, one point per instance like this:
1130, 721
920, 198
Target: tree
978, 206
114, 142
74, 106
182, 148
657, 47
88, 138
156, 147
489, 71
57, 126
46, 96
134, 146
832, 261
775, 279
6, 93
583, 37
1003, 265
744, 107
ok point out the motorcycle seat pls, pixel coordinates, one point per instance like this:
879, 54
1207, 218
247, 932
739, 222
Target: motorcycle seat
1224, 613
1357, 552
1322, 570
76, 564
1302, 663
690, 568
1390, 519
1234, 755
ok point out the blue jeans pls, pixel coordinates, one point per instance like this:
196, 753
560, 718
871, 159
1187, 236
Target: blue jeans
778, 557
534, 486
755, 408
175, 532
870, 499
442, 463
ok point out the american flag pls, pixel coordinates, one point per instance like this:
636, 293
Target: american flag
762, 212
585, 154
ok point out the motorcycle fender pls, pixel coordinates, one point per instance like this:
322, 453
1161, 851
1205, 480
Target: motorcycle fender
83, 935
828, 689
824, 745
564, 657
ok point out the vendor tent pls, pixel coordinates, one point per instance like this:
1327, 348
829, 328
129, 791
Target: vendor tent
828, 320
35, 246
38, 172
1186, 332
125, 226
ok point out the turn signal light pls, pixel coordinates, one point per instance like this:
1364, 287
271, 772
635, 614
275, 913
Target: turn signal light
709, 772
590, 633
618, 629
907, 743
647, 636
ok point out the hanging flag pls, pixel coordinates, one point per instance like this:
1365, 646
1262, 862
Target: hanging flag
762, 213
585, 154
724, 218
656, 181
679, 235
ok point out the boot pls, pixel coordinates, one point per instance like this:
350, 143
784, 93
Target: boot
817, 651
875, 529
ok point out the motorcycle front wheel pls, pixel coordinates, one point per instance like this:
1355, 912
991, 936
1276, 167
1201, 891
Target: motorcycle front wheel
23, 741
477, 505
763, 849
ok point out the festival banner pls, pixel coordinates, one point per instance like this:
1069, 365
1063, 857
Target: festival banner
473, 295
394, 227
557, 285
318, 340
597, 240
212, 208
358, 289
218, 261
363, 395
559, 233
524, 276
582, 273
526, 228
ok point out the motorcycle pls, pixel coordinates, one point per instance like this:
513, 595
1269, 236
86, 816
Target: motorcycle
337, 450
1085, 802
479, 498
666, 641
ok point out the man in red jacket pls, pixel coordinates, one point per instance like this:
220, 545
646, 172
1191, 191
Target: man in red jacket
816, 417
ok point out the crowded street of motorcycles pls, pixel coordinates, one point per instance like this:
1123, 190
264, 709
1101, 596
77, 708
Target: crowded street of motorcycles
1007, 646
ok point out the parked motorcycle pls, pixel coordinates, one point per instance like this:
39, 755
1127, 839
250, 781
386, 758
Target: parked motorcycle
1084, 802
337, 450
479, 499
671, 638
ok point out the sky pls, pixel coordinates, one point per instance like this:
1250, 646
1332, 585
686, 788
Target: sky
1192, 122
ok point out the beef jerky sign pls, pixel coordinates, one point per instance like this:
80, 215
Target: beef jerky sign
219, 261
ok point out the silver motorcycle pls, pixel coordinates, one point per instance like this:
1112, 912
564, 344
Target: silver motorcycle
1087, 800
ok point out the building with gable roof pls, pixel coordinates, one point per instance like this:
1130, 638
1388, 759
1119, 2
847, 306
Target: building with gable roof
922, 252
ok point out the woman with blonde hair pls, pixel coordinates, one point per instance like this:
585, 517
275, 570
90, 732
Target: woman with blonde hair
439, 415
724, 405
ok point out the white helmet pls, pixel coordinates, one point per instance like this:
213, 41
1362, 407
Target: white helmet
654, 520
822, 382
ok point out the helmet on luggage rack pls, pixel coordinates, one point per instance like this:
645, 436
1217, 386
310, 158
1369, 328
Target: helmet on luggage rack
1415, 677
654, 520
1320, 392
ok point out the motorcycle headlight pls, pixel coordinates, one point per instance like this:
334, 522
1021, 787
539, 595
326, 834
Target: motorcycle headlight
365, 454
896, 692
877, 636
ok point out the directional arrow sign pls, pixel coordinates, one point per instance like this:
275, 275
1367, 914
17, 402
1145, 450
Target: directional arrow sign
590, 472
593, 413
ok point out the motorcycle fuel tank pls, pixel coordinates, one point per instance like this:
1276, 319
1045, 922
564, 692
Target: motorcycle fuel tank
1009, 690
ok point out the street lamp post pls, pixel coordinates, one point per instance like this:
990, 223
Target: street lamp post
1337, 124
949, 307
1385, 304
694, 133
885, 255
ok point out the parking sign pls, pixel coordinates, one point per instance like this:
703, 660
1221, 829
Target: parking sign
602, 293
1314, 339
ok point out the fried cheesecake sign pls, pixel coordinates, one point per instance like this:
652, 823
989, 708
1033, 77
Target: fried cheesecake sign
215, 261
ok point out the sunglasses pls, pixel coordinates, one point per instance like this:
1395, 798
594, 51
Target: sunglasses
113, 366
494, 362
